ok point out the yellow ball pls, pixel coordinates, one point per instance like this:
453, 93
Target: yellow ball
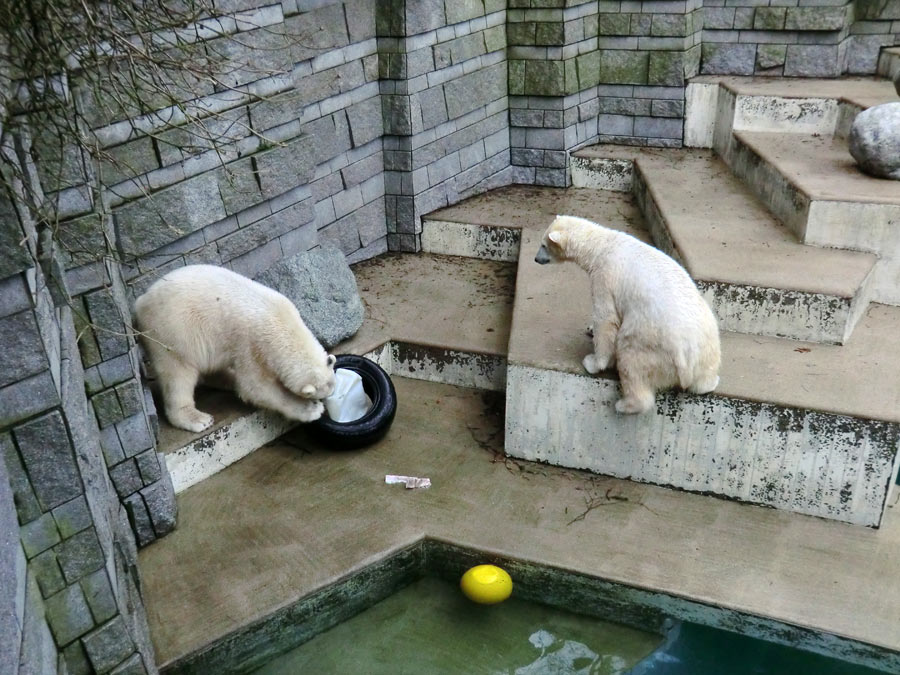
486, 584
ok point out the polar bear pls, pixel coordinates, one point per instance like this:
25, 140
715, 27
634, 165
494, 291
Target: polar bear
649, 319
204, 320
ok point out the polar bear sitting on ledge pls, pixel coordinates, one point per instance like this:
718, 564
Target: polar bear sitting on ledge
649, 318
203, 320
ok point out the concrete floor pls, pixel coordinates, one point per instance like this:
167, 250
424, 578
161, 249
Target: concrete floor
291, 518
453, 303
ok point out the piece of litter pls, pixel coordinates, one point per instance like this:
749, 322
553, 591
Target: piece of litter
409, 481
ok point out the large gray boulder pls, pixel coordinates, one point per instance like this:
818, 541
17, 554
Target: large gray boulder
875, 140
319, 282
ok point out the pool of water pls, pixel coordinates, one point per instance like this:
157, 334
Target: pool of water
405, 614
430, 627
691, 649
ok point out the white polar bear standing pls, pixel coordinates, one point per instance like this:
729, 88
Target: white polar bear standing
649, 319
202, 320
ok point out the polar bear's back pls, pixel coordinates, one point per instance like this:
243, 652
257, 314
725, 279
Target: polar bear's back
650, 279
657, 300
205, 311
209, 292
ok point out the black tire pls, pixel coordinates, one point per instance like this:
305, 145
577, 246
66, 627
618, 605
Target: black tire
372, 426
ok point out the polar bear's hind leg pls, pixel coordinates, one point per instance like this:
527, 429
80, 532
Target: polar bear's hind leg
178, 381
638, 394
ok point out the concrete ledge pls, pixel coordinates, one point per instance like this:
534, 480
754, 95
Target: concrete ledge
602, 173
471, 241
287, 627
776, 104
226, 444
819, 464
448, 366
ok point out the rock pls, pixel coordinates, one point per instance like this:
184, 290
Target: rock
161, 505
897, 82
319, 282
875, 140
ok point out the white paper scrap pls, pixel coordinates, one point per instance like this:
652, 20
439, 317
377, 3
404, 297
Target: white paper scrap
409, 481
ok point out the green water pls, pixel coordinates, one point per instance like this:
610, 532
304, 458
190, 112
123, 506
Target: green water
430, 627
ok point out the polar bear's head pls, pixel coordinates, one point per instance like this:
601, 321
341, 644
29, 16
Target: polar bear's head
553, 245
317, 382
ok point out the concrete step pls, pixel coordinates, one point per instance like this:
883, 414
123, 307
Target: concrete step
806, 427
434, 318
753, 272
238, 430
786, 138
716, 106
488, 226
812, 184
803, 427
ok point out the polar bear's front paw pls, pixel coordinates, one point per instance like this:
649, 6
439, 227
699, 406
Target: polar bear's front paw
191, 420
309, 411
594, 364
590, 364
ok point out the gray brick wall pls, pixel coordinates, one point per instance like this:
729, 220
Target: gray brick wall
236, 188
796, 38
68, 573
400, 85
590, 72
445, 107
62, 546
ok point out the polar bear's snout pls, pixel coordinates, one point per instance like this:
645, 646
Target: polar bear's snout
322, 384
543, 256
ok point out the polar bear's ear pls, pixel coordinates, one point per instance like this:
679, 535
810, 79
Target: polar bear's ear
555, 236
308, 390
331, 360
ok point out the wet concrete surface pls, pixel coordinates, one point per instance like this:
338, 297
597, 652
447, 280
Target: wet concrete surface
293, 517
443, 301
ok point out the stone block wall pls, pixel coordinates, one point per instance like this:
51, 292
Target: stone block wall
796, 38
609, 71
68, 548
876, 25
374, 113
288, 159
444, 100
